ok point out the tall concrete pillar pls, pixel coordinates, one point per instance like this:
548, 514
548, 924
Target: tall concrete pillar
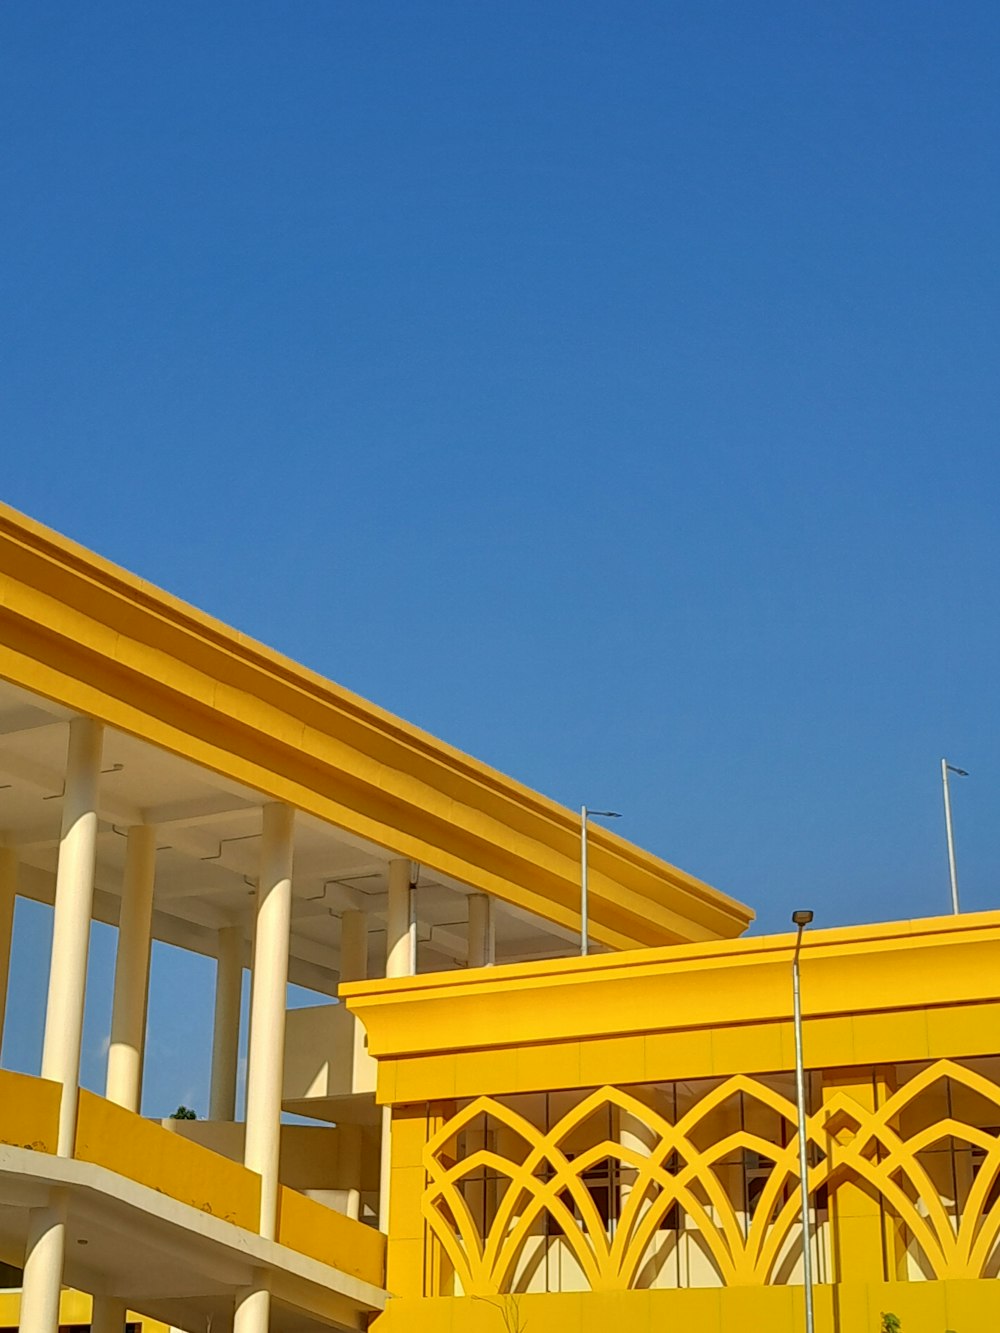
43, 1267
131, 996
226, 1029
265, 1068
399, 960
108, 1315
253, 1308
8, 892
354, 946
45, 1251
71, 922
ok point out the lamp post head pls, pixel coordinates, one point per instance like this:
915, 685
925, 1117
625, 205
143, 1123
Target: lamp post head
801, 919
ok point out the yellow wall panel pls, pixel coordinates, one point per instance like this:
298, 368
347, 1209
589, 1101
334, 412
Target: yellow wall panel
29, 1112
556, 1066
416, 1080
405, 1267
668, 1053
324, 1234
903, 1032
625, 1057
746, 1049
406, 1219
74, 1308
827, 1041
110, 1136
970, 1029
855, 1308
474, 1070
409, 1132
970, 1306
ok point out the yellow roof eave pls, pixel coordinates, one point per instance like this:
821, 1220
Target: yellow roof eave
98, 640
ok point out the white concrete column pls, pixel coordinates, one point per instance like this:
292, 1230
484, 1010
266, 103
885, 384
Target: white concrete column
8, 892
226, 1030
267, 1023
482, 937
399, 962
354, 967
253, 1309
43, 1268
350, 1163
398, 943
71, 922
354, 946
108, 1315
131, 1002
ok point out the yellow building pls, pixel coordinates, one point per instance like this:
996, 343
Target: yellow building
505, 1133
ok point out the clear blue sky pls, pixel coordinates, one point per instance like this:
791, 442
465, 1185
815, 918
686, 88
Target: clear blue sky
610, 388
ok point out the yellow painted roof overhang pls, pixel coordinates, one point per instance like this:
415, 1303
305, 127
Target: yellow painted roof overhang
94, 638
902, 990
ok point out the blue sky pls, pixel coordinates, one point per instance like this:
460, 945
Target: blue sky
610, 388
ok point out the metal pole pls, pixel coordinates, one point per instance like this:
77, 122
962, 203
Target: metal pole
800, 1095
584, 904
951, 840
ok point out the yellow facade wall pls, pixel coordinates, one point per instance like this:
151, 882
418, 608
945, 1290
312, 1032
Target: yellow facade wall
875, 999
872, 994
311, 1228
140, 1150
29, 1112
74, 1308
965, 1307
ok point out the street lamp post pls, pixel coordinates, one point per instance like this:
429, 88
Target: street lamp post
586, 814
801, 920
947, 768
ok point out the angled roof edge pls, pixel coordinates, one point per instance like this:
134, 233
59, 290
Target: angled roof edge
87, 634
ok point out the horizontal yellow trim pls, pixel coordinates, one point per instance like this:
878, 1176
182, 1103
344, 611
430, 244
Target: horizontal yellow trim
29, 1112
904, 990
95, 639
109, 1136
923, 1307
313, 1229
